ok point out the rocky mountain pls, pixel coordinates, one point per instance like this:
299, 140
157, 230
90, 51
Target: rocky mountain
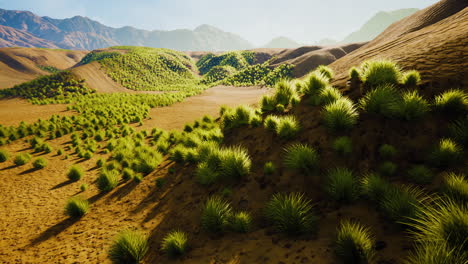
83, 33
377, 24
283, 43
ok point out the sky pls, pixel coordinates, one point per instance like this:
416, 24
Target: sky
258, 21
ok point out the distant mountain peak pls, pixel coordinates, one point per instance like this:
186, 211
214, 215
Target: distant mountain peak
282, 42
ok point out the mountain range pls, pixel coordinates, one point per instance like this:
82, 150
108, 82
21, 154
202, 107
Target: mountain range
25, 29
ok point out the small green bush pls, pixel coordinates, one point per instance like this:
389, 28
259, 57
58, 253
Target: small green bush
401, 203
456, 187
326, 96
301, 157
40, 163
341, 185
325, 71
340, 115
128, 174
206, 175
411, 78
269, 168
84, 187
128, 247
420, 174
271, 122
354, 74
216, 215
314, 83
379, 72
75, 173
76, 207
288, 127
175, 243
375, 187
452, 101
241, 222
235, 163
4, 155
413, 106
354, 243
342, 146
446, 153
383, 100
387, 151
22, 159
291, 214
107, 180
100, 162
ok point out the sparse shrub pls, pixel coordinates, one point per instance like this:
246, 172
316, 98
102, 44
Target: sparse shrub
343, 146
387, 151
216, 215
84, 187
446, 153
40, 163
379, 72
241, 222
22, 159
340, 115
354, 243
4, 155
107, 180
420, 174
452, 101
411, 78
456, 187
383, 100
269, 168
291, 214
76, 207
341, 185
388, 168
287, 127
75, 173
175, 243
128, 247
413, 106
301, 157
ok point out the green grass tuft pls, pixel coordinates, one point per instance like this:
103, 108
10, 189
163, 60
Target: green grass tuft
128, 247
107, 180
76, 207
75, 173
40, 163
325, 71
411, 78
340, 115
447, 153
269, 168
420, 174
175, 243
413, 106
387, 151
383, 100
287, 127
216, 215
4, 155
452, 101
378, 72
22, 159
354, 243
342, 185
241, 222
456, 187
343, 146
301, 157
291, 214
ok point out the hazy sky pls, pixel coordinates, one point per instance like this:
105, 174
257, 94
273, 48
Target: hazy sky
258, 21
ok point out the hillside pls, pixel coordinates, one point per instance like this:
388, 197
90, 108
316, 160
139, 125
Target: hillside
281, 43
85, 34
440, 58
18, 65
377, 24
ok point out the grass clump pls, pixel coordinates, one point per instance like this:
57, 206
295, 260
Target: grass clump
76, 207
388, 168
4, 155
420, 174
375, 187
452, 101
287, 127
446, 153
343, 146
75, 173
411, 78
40, 163
314, 83
301, 157
459, 131
383, 100
271, 122
456, 187
341, 185
241, 116
413, 106
291, 214
241, 222
175, 243
401, 203
340, 115
387, 151
107, 180
325, 71
354, 243
128, 247
269, 168
379, 72
22, 159
84, 187
216, 215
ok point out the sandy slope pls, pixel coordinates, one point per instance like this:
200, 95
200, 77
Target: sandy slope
18, 65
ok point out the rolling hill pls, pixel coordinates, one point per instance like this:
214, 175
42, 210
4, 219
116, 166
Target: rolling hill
85, 34
281, 43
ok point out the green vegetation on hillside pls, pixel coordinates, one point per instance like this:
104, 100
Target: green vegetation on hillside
97, 56
50, 69
236, 59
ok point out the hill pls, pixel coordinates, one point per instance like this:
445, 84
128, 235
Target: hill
85, 34
377, 24
18, 65
440, 58
281, 43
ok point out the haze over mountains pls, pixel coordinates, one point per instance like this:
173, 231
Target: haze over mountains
25, 29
